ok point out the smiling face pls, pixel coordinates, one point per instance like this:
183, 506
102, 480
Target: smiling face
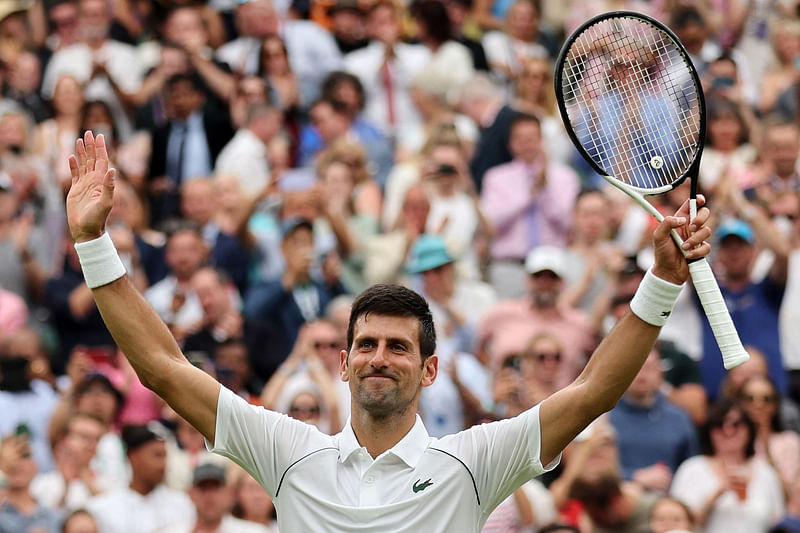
384, 368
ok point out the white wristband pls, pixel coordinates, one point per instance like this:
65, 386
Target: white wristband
654, 299
100, 261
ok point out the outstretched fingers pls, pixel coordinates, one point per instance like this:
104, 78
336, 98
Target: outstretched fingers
91, 153
101, 164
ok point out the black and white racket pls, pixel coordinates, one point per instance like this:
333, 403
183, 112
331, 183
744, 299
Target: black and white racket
633, 105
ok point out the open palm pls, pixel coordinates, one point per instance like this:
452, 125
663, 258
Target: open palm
91, 194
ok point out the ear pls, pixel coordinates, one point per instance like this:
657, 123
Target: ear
343, 373
430, 369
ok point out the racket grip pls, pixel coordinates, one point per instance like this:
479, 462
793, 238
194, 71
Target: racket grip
733, 353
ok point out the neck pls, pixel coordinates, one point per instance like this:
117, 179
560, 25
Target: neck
209, 525
21, 499
141, 486
379, 434
647, 399
736, 283
730, 457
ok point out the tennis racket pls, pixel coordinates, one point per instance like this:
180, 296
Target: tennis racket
633, 105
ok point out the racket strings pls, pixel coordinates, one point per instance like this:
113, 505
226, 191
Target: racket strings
632, 101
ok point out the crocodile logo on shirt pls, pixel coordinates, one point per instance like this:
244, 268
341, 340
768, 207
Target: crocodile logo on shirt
419, 487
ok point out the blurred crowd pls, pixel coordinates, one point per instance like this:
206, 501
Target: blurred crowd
276, 157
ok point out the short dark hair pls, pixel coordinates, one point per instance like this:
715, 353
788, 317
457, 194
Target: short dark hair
522, 118
338, 77
433, 13
395, 300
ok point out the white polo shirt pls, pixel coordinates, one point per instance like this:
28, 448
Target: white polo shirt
330, 483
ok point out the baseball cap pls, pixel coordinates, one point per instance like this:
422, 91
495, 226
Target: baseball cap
208, 472
427, 252
9, 7
544, 258
290, 224
737, 228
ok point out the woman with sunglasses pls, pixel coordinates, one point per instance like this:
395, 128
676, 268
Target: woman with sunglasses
541, 365
761, 401
728, 487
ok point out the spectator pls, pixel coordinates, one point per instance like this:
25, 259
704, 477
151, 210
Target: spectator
64, 18
458, 11
508, 326
524, 202
251, 501
541, 365
754, 306
654, 436
19, 511
483, 102
73, 482
172, 297
521, 39
186, 147
783, 75
331, 121
27, 403
212, 499
274, 68
222, 320
387, 253
80, 521
727, 488
348, 25
294, 299
777, 182
728, 152
245, 156
534, 95
386, 67
106, 67
24, 76
235, 371
54, 138
670, 514
200, 206
146, 505
761, 401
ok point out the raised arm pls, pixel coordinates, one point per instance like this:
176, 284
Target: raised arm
617, 360
135, 326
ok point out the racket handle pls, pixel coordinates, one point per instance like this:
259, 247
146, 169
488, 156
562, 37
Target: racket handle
733, 353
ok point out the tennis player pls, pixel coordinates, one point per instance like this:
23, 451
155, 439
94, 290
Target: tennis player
382, 472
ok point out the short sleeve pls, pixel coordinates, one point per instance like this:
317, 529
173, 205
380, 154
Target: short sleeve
263, 442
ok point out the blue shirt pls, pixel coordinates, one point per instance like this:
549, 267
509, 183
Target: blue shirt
754, 311
661, 433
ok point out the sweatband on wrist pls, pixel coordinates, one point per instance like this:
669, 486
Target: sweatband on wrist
100, 261
654, 299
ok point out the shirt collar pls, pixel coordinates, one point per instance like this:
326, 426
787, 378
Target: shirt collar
409, 449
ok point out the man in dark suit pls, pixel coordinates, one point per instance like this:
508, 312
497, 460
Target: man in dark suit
186, 147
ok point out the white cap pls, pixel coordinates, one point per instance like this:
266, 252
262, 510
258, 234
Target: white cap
546, 258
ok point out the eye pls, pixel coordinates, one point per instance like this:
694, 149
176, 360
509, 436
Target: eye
398, 347
366, 344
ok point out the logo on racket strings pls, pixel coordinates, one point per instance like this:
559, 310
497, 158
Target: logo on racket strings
656, 162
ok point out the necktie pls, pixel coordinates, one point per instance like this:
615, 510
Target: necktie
386, 78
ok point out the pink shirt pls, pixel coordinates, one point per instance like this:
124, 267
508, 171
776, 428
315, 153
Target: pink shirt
510, 325
13, 312
519, 221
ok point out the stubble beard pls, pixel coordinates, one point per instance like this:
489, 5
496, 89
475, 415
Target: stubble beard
382, 404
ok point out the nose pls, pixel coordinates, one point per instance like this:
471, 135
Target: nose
379, 359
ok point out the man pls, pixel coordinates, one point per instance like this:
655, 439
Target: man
245, 156
386, 67
383, 471
654, 436
511, 324
347, 25
213, 499
146, 505
186, 147
525, 201
200, 205
482, 101
107, 68
753, 306
222, 320
296, 298
173, 297
778, 185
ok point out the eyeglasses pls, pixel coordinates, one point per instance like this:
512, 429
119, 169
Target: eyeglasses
307, 411
329, 345
544, 356
759, 398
